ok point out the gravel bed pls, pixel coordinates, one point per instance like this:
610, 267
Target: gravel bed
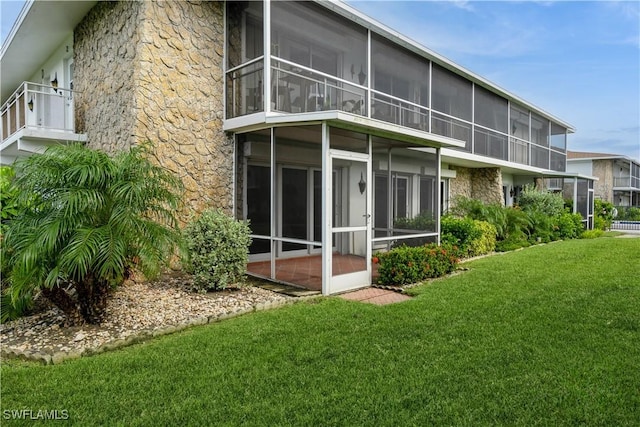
135, 311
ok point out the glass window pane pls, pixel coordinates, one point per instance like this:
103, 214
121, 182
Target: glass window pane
539, 157
253, 178
244, 90
490, 110
558, 137
317, 38
451, 93
558, 161
398, 72
244, 32
492, 144
539, 130
446, 126
519, 122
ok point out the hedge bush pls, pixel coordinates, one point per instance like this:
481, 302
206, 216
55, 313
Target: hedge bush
486, 243
405, 264
461, 232
568, 226
218, 250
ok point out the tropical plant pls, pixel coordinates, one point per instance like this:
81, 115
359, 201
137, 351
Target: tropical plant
412, 264
8, 196
218, 250
94, 218
532, 199
461, 232
603, 214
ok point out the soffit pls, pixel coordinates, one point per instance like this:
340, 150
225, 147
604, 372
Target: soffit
41, 27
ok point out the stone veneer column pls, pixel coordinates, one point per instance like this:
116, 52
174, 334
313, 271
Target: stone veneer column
484, 184
603, 188
105, 56
154, 71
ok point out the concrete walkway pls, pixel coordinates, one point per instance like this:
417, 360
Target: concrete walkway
375, 296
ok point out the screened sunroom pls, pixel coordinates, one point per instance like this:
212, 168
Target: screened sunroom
322, 196
338, 126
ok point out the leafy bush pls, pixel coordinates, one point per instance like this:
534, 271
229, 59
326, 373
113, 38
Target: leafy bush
486, 243
511, 245
532, 199
405, 265
91, 218
541, 228
628, 214
423, 221
510, 223
603, 214
568, 226
461, 232
591, 234
218, 250
9, 206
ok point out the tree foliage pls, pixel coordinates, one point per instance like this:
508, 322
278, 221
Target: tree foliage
93, 218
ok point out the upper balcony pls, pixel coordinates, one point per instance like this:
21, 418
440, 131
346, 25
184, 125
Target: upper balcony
295, 58
626, 182
36, 116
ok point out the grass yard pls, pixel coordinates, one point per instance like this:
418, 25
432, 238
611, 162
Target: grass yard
549, 335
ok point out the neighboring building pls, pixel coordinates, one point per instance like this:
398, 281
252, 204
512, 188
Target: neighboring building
618, 176
333, 134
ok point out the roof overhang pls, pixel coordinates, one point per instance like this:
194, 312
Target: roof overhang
349, 12
411, 137
465, 159
40, 28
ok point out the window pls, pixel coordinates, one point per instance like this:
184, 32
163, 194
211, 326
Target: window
490, 110
539, 130
451, 93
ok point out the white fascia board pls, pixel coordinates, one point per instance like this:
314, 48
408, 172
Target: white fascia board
16, 25
613, 157
358, 17
343, 120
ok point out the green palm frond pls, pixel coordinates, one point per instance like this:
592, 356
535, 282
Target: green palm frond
91, 215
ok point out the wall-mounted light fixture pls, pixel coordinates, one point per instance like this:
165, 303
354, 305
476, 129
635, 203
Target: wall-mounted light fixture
54, 83
362, 185
362, 77
30, 104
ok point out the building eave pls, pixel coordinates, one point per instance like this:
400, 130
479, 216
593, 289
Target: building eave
40, 28
341, 119
360, 18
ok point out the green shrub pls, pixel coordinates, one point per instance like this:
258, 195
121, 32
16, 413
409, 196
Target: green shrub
532, 199
218, 250
461, 232
541, 228
90, 218
486, 243
511, 245
628, 214
405, 265
9, 205
568, 226
603, 214
423, 221
591, 234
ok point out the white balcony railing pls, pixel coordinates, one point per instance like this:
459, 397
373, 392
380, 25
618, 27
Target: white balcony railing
37, 106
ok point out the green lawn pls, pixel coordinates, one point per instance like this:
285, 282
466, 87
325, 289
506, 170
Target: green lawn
549, 335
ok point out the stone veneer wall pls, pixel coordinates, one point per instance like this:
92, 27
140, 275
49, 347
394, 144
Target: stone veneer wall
483, 184
154, 71
603, 188
104, 49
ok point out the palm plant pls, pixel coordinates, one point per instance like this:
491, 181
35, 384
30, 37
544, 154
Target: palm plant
94, 217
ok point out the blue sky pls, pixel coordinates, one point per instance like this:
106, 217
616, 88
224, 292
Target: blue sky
578, 60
